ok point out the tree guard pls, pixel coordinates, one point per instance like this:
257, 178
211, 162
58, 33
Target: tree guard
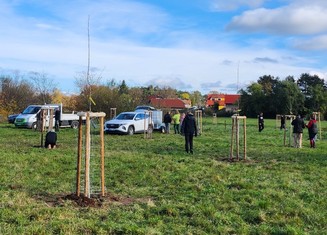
235, 137
148, 124
87, 183
198, 117
46, 120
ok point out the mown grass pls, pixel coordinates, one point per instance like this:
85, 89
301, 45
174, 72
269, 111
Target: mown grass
278, 190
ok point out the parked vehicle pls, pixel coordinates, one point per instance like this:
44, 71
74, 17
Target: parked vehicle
145, 107
156, 116
28, 118
11, 118
128, 123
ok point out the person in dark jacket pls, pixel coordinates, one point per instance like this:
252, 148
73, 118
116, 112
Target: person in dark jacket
167, 121
189, 129
51, 140
313, 130
57, 119
282, 122
261, 122
298, 125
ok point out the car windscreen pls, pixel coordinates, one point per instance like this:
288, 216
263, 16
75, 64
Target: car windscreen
31, 110
125, 116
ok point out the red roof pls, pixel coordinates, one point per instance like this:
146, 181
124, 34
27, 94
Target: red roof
215, 96
167, 103
231, 99
221, 99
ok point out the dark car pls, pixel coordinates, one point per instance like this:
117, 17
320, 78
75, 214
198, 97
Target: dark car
12, 118
144, 107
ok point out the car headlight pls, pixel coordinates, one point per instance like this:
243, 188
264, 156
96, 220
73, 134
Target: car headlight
123, 126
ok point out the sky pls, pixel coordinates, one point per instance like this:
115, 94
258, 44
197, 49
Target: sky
189, 45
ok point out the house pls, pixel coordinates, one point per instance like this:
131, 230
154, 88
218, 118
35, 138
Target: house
169, 103
224, 101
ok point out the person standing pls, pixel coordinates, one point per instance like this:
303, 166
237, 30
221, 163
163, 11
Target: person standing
313, 130
282, 122
57, 119
189, 130
167, 121
298, 125
176, 118
261, 122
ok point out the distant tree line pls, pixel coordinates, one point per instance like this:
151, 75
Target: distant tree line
273, 96
16, 93
269, 95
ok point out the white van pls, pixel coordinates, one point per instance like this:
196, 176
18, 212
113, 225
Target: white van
28, 118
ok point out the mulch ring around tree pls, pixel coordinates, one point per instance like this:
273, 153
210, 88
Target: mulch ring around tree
235, 160
95, 201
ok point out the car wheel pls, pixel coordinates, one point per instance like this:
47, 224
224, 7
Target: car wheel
74, 124
34, 126
130, 130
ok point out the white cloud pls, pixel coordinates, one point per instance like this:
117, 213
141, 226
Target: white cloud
108, 15
319, 74
292, 19
184, 59
44, 26
169, 81
315, 43
230, 5
211, 85
265, 60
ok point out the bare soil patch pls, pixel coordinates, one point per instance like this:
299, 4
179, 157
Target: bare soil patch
95, 201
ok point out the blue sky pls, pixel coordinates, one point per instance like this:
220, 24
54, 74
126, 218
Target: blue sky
189, 45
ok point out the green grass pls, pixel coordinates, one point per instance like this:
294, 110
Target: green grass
162, 190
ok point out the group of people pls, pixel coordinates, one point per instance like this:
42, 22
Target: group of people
176, 119
186, 125
298, 126
183, 124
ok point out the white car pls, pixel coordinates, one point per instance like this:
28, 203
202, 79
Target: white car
128, 123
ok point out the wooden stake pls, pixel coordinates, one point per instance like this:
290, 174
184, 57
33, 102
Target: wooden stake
87, 156
50, 127
237, 139
79, 157
285, 136
102, 155
244, 137
232, 141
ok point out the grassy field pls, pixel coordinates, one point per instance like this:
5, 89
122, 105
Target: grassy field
154, 187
